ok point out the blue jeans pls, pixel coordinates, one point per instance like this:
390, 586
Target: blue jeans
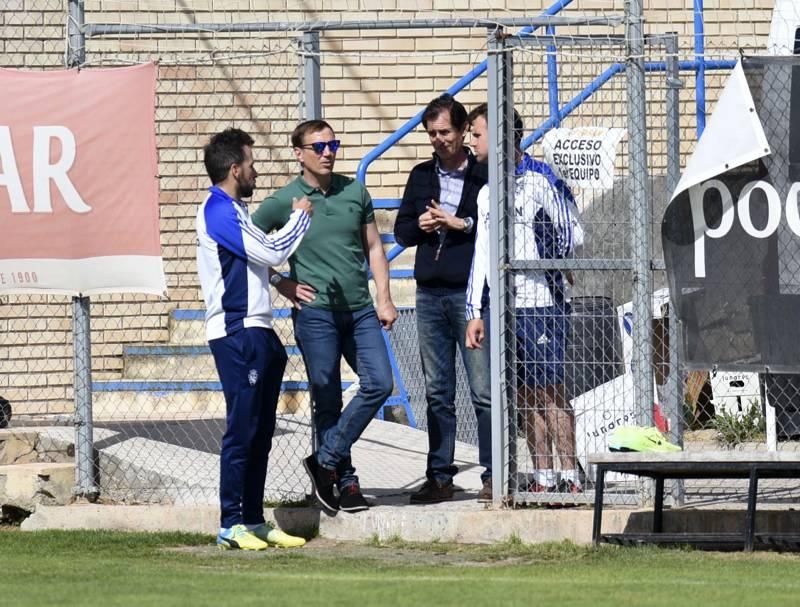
324, 336
250, 364
441, 328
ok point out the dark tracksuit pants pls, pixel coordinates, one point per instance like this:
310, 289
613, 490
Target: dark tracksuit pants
250, 364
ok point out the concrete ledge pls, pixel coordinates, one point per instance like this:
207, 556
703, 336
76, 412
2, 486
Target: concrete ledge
464, 523
28, 485
430, 523
28, 445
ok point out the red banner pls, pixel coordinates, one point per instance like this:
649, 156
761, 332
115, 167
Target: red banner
78, 182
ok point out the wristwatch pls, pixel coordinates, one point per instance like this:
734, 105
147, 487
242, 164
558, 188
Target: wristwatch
275, 279
469, 223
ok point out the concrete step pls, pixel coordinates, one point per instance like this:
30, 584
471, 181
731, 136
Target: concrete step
168, 400
404, 290
25, 446
17, 447
195, 363
187, 327
28, 485
131, 400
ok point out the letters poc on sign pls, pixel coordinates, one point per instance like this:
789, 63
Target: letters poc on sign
731, 233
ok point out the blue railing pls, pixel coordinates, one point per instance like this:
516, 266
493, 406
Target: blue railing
410, 125
552, 79
699, 57
557, 115
699, 66
466, 80
395, 137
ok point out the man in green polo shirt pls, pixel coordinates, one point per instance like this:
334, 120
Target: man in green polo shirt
334, 315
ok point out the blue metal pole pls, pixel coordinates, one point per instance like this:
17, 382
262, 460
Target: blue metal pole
599, 82
699, 54
552, 78
592, 88
692, 66
361, 172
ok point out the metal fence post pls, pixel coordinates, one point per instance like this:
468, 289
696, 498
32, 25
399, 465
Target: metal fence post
81, 317
640, 212
312, 98
673, 124
312, 110
675, 390
500, 157
84, 429
76, 41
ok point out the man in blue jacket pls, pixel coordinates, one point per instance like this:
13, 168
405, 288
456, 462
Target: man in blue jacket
437, 215
233, 260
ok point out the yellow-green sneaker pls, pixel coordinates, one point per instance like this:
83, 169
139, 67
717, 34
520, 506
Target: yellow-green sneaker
239, 538
275, 537
636, 438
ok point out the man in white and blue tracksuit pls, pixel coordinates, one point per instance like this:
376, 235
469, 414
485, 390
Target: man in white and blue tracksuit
234, 260
546, 226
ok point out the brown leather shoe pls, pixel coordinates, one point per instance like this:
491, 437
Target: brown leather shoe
485, 494
432, 492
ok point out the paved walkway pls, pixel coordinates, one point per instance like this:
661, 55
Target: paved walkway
176, 462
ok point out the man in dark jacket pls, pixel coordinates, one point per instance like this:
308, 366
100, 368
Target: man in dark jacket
438, 215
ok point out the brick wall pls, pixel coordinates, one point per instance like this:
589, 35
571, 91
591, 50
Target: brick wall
372, 83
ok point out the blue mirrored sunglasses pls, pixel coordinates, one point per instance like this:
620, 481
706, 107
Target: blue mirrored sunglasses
319, 146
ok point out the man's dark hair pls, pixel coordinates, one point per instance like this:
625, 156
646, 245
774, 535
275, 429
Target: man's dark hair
482, 110
446, 102
309, 126
223, 151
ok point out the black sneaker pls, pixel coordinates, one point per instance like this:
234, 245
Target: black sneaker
569, 486
323, 481
351, 499
485, 494
432, 492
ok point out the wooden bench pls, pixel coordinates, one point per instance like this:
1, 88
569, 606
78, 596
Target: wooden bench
699, 465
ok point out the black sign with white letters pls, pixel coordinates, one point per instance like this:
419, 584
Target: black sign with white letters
732, 242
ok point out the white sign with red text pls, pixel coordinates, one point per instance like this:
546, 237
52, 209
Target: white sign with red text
78, 182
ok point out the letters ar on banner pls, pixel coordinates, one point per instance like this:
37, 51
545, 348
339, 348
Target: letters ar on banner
584, 157
79, 183
731, 232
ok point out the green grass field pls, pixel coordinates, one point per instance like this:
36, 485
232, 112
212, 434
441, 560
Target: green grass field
105, 568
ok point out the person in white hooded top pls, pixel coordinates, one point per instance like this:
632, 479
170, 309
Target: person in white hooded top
546, 226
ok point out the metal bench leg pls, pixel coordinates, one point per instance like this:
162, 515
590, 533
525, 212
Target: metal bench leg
750, 520
598, 504
658, 510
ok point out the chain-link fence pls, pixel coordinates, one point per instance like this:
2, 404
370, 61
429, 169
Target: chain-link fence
567, 242
158, 408
739, 331
36, 351
723, 408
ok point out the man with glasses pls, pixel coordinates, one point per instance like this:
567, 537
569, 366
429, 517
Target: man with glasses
333, 310
437, 215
